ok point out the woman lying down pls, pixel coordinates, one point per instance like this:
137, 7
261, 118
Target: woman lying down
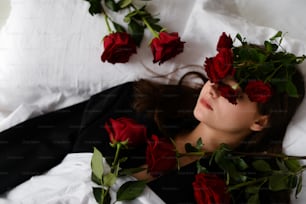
170, 131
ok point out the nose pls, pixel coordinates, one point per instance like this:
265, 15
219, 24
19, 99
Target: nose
213, 91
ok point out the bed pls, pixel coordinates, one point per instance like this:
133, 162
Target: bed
48, 62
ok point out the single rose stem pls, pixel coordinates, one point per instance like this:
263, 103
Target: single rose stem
107, 23
191, 154
114, 164
248, 183
267, 154
155, 34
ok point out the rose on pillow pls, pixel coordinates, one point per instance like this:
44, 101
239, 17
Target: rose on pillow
118, 47
166, 46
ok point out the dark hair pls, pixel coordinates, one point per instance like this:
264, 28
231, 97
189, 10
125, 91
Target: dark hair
280, 109
170, 106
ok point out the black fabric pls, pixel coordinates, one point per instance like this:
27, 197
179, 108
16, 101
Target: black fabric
36, 145
39, 144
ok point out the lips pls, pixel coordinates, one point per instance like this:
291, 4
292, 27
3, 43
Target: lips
205, 104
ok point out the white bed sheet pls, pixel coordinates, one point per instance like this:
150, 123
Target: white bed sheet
52, 61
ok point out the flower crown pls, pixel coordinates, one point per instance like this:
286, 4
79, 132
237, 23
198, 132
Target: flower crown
260, 71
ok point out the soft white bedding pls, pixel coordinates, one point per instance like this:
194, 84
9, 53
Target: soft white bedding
50, 61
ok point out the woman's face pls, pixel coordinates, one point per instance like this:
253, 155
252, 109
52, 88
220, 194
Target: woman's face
218, 113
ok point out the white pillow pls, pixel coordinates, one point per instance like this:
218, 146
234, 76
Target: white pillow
50, 55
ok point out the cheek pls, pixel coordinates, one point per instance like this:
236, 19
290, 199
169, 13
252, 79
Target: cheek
238, 118
225, 118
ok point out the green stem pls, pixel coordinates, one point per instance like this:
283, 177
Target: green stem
267, 154
191, 154
264, 179
115, 162
107, 23
104, 194
155, 34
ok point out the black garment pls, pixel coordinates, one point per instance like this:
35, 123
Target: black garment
39, 144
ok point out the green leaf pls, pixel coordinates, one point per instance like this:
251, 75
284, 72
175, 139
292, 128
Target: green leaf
129, 16
95, 7
292, 181
200, 168
118, 27
299, 185
97, 194
125, 3
137, 31
240, 163
95, 179
224, 160
130, 190
199, 144
293, 164
123, 159
238, 36
278, 182
277, 35
261, 165
291, 89
281, 164
109, 179
253, 199
190, 148
111, 4
252, 189
97, 164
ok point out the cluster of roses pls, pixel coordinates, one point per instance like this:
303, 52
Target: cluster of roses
161, 157
221, 67
120, 44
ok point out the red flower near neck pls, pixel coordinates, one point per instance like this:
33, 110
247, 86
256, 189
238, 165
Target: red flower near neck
160, 155
258, 91
220, 66
224, 42
166, 46
118, 47
210, 189
126, 129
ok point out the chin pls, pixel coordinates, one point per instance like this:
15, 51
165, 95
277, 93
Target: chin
198, 114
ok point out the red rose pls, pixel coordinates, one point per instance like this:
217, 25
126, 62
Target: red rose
224, 42
166, 46
126, 129
118, 47
258, 91
228, 92
210, 189
160, 155
220, 66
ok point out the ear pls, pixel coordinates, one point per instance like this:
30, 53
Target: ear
260, 123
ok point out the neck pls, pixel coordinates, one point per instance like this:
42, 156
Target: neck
211, 138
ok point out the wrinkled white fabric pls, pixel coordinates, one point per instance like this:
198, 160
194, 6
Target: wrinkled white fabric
69, 182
